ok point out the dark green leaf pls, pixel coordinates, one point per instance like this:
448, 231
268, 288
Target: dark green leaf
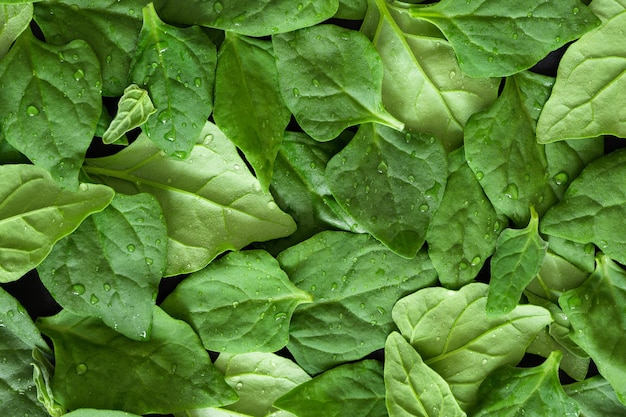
596, 398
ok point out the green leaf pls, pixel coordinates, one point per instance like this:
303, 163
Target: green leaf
240, 303
593, 208
51, 110
412, 388
355, 281
113, 43
351, 9
555, 277
177, 67
531, 391
248, 105
29, 227
42, 376
18, 338
606, 9
267, 17
502, 150
596, 398
391, 183
453, 334
325, 95
347, 390
517, 260
423, 85
596, 313
461, 237
133, 110
522, 33
211, 202
90, 412
170, 372
259, 379
574, 112
14, 19
111, 266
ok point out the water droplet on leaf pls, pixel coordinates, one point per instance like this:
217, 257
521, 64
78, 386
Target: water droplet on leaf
32, 111
131, 247
81, 369
78, 289
79, 74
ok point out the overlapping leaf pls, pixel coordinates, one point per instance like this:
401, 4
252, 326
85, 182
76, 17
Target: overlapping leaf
133, 110
14, 19
595, 397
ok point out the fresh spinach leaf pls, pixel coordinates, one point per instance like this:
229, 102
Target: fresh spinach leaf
596, 398
42, 376
134, 109
14, 19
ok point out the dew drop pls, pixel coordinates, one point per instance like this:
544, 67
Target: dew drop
484, 361
107, 287
315, 83
280, 316
94, 299
423, 208
575, 10
333, 286
180, 154
81, 369
78, 289
313, 288
32, 111
131, 247
300, 6
490, 59
511, 191
79, 74
380, 310
452, 74
475, 260
515, 36
296, 92
561, 178
382, 167
208, 139
149, 261
218, 7
61, 56
197, 82
108, 59
462, 265
480, 175
411, 178
239, 386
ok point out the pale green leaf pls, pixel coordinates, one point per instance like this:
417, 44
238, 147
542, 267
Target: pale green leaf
606, 9
90, 412
29, 226
211, 202
391, 183
14, 19
133, 110
596, 398
240, 303
42, 376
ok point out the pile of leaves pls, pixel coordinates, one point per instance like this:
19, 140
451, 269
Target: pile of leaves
366, 208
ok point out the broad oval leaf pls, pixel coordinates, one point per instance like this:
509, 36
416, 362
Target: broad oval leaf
453, 334
267, 17
52, 107
211, 202
111, 266
14, 19
596, 313
248, 105
177, 67
133, 110
240, 303
412, 388
355, 281
391, 183
524, 32
29, 227
324, 94
168, 373
348, 390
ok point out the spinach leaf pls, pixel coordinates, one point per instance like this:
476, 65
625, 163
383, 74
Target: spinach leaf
325, 95
119, 285
391, 183
354, 281
527, 31
248, 105
42, 376
177, 67
595, 397
170, 372
596, 312
14, 19
211, 202
352, 389
518, 258
454, 335
134, 109
409, 384
606, 9
575, 112
533, 391
29, 227
90, 412
461, 237
240, 303
423, 85
51, 109
351, 9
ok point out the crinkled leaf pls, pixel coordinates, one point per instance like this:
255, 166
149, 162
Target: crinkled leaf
518, 258
594, 207
413, 389
596, 109
110, 267
29, 225
453, 334
133, 110
177, 67
52, 104
532, 391
42, 376
240, 303
170, 372
324, 94
423, 85
596, 311
265, 17
391, 183
211, 202
248, 105
347, 390
355, 281
596, 398
14, 19
522, 32
462, 233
